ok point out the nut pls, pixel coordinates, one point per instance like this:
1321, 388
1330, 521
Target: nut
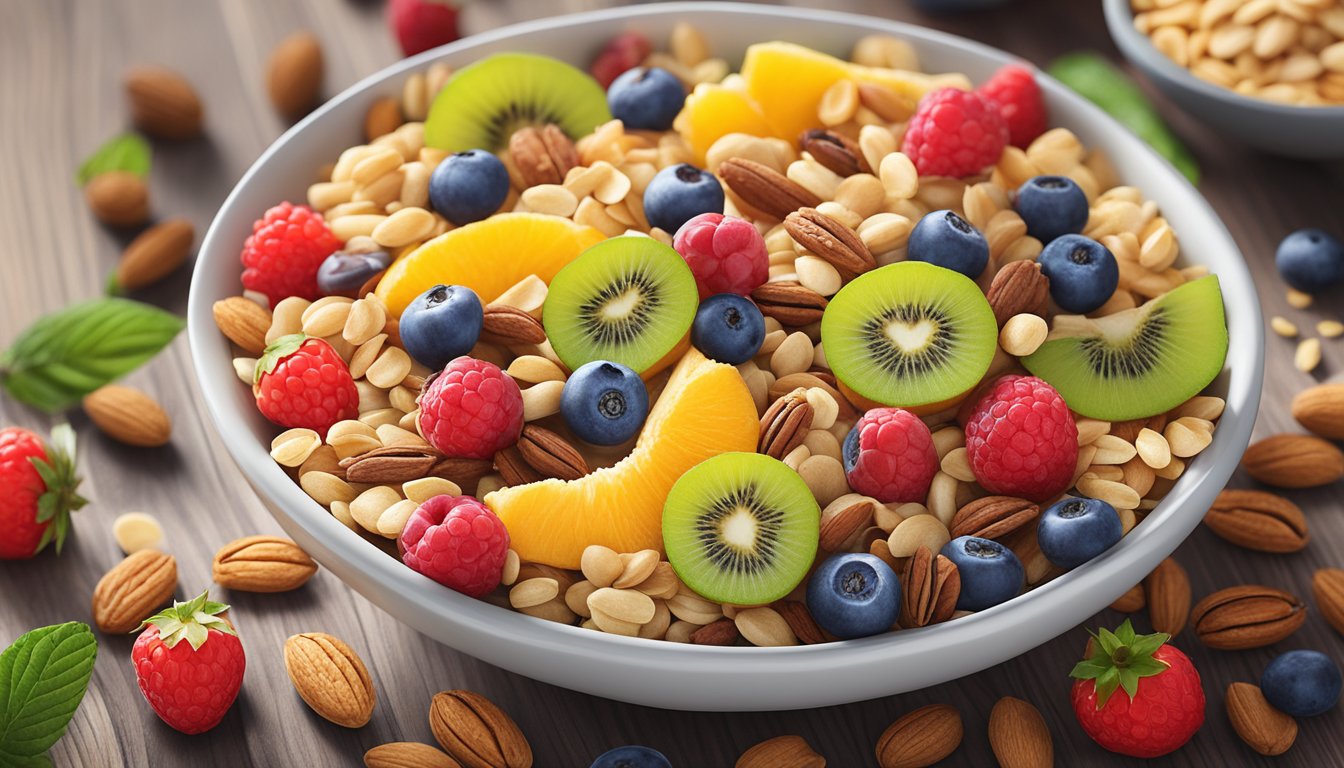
263, 564
1264, 728
128, 416
1247, 616
130, 592
382, 118
781, 752
720, 632
1293, 461
118, 198
784, 426
294, 74
407, 754
1167, 590
1327, 586
920, 738
789, 302
244, 322
392, 464
331, 678
477, 733
764, 188
543, 155
153, 255
550, 455
163, 103
1258, 520
1321, 410
993, 517
830, 240
800, 620
1019, 736
932, 585
1132, 601
841, 527
514, 468
836, 152
1017, 288
506, 325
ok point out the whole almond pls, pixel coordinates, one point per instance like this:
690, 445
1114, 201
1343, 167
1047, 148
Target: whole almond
407, 754
128, 416
477, 733
791, 303
800, 620
993, 517
1018, 287
294, 74
163, 103
118, 198
1321, 410
920, 738
1132, 601
511, 326
765, 189
721, 632
244, 322
131, 592
1265, 522
1019, 736
1327, 586
1167, 590
781, 752
263, 564
1263, 728
1293, 461
153, 255
842, 526
837, 152
830, 239
383, 117
331, 678
1246, 616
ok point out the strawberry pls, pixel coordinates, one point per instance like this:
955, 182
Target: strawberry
1163, 704
39, 485
190, 685
301, 381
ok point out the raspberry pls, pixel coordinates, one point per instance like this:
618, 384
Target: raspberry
281, 257
726, 254
622, 52
1021, 439
889, 455
1014, 91
954, 133
458, 542
422, 24
471, 409
304, 383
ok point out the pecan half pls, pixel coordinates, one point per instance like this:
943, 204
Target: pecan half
932, 586
790, 303
394, 464
1258, 520
1018, 287
764, 188
550, 455
514, 468
829, 239
1247, 616
542, 154
511, 326
838, 153
785, 424
993, 517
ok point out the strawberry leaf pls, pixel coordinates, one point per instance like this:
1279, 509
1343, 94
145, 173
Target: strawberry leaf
275, 352
43, 678
190, 621
1119, 660
127, 152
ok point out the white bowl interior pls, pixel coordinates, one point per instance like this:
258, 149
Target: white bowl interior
697, 677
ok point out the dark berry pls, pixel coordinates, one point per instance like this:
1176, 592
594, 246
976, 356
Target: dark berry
1073, 531
945, 239
1311, 260
1083, 273
854, 595
632, 757
990, 572
604, 403
679, 193
646, 98
343, 273
468, 186
1302, 683
442, 323
728, 328
1051, 206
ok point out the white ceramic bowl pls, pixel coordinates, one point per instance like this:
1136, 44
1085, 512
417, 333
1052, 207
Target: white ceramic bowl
697, 677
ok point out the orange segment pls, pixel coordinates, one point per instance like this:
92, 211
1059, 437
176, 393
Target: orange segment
487, 256
705, 410
713, 111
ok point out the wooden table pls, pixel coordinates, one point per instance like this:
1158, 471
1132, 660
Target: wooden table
60, 66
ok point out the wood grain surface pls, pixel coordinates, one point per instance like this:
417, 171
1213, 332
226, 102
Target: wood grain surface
60, 67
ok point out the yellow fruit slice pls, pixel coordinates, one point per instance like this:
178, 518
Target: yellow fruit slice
704, 410
487, 256
713, 111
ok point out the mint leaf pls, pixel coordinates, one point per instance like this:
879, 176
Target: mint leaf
43, 677
68, 354
127, 152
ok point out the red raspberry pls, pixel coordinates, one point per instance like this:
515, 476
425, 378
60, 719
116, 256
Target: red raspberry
1014, 90
726, 254
624, 51
281, 257
889, 455
471, 409
302, 382
422, 24
458, 542
954, 133
1021, 439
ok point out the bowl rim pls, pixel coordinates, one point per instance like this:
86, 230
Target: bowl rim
410, 592
1135, 45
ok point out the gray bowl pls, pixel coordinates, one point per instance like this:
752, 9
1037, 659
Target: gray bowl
1315, 133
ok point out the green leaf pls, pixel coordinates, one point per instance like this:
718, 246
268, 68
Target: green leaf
190, 621
43, 677
127, 152
275, 352
66, 355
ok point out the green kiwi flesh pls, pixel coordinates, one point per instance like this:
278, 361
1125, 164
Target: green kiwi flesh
484, 103
741, 528
1138, 362
628, 299
909, 334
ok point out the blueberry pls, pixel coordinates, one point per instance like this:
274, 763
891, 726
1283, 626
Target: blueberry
344, 273
632, 757
1073, 531
468, 186
1051, 206
990, 572
1311, 260
728, 328
947, 240
1302, 683
646, 98
854, 595
1083, 273
442, 324
604, 403
678, 194
849, 450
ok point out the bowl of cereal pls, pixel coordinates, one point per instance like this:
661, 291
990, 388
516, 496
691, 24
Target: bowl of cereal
1271, 80
727, 380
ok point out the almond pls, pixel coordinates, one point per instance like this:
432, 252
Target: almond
550, 454
721, 632
1327, 586
993, 517
294, 74
383, 117
477, 733
920, 738
1293, 461
407, 754
391, 464
829, 239
1017, 288
1019, 736
1246, 616
331, 678
263, 564
839, 528
781, 752
153, 255
837, 152
244, 322
1132, 601
789, 302
1264, 522
1321, 410
765, 189
1167, 590
511, 326
800, 620
131, 592
128, 416
118, 198
1263, 728
163, 103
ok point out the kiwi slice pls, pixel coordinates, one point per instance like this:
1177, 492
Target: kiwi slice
909, 334
741, 528
485, 102
627, 299
1138, 362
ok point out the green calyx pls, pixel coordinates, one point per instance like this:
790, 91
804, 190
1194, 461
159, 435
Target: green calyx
61, 498
275, 352
190, 621
1119, 659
